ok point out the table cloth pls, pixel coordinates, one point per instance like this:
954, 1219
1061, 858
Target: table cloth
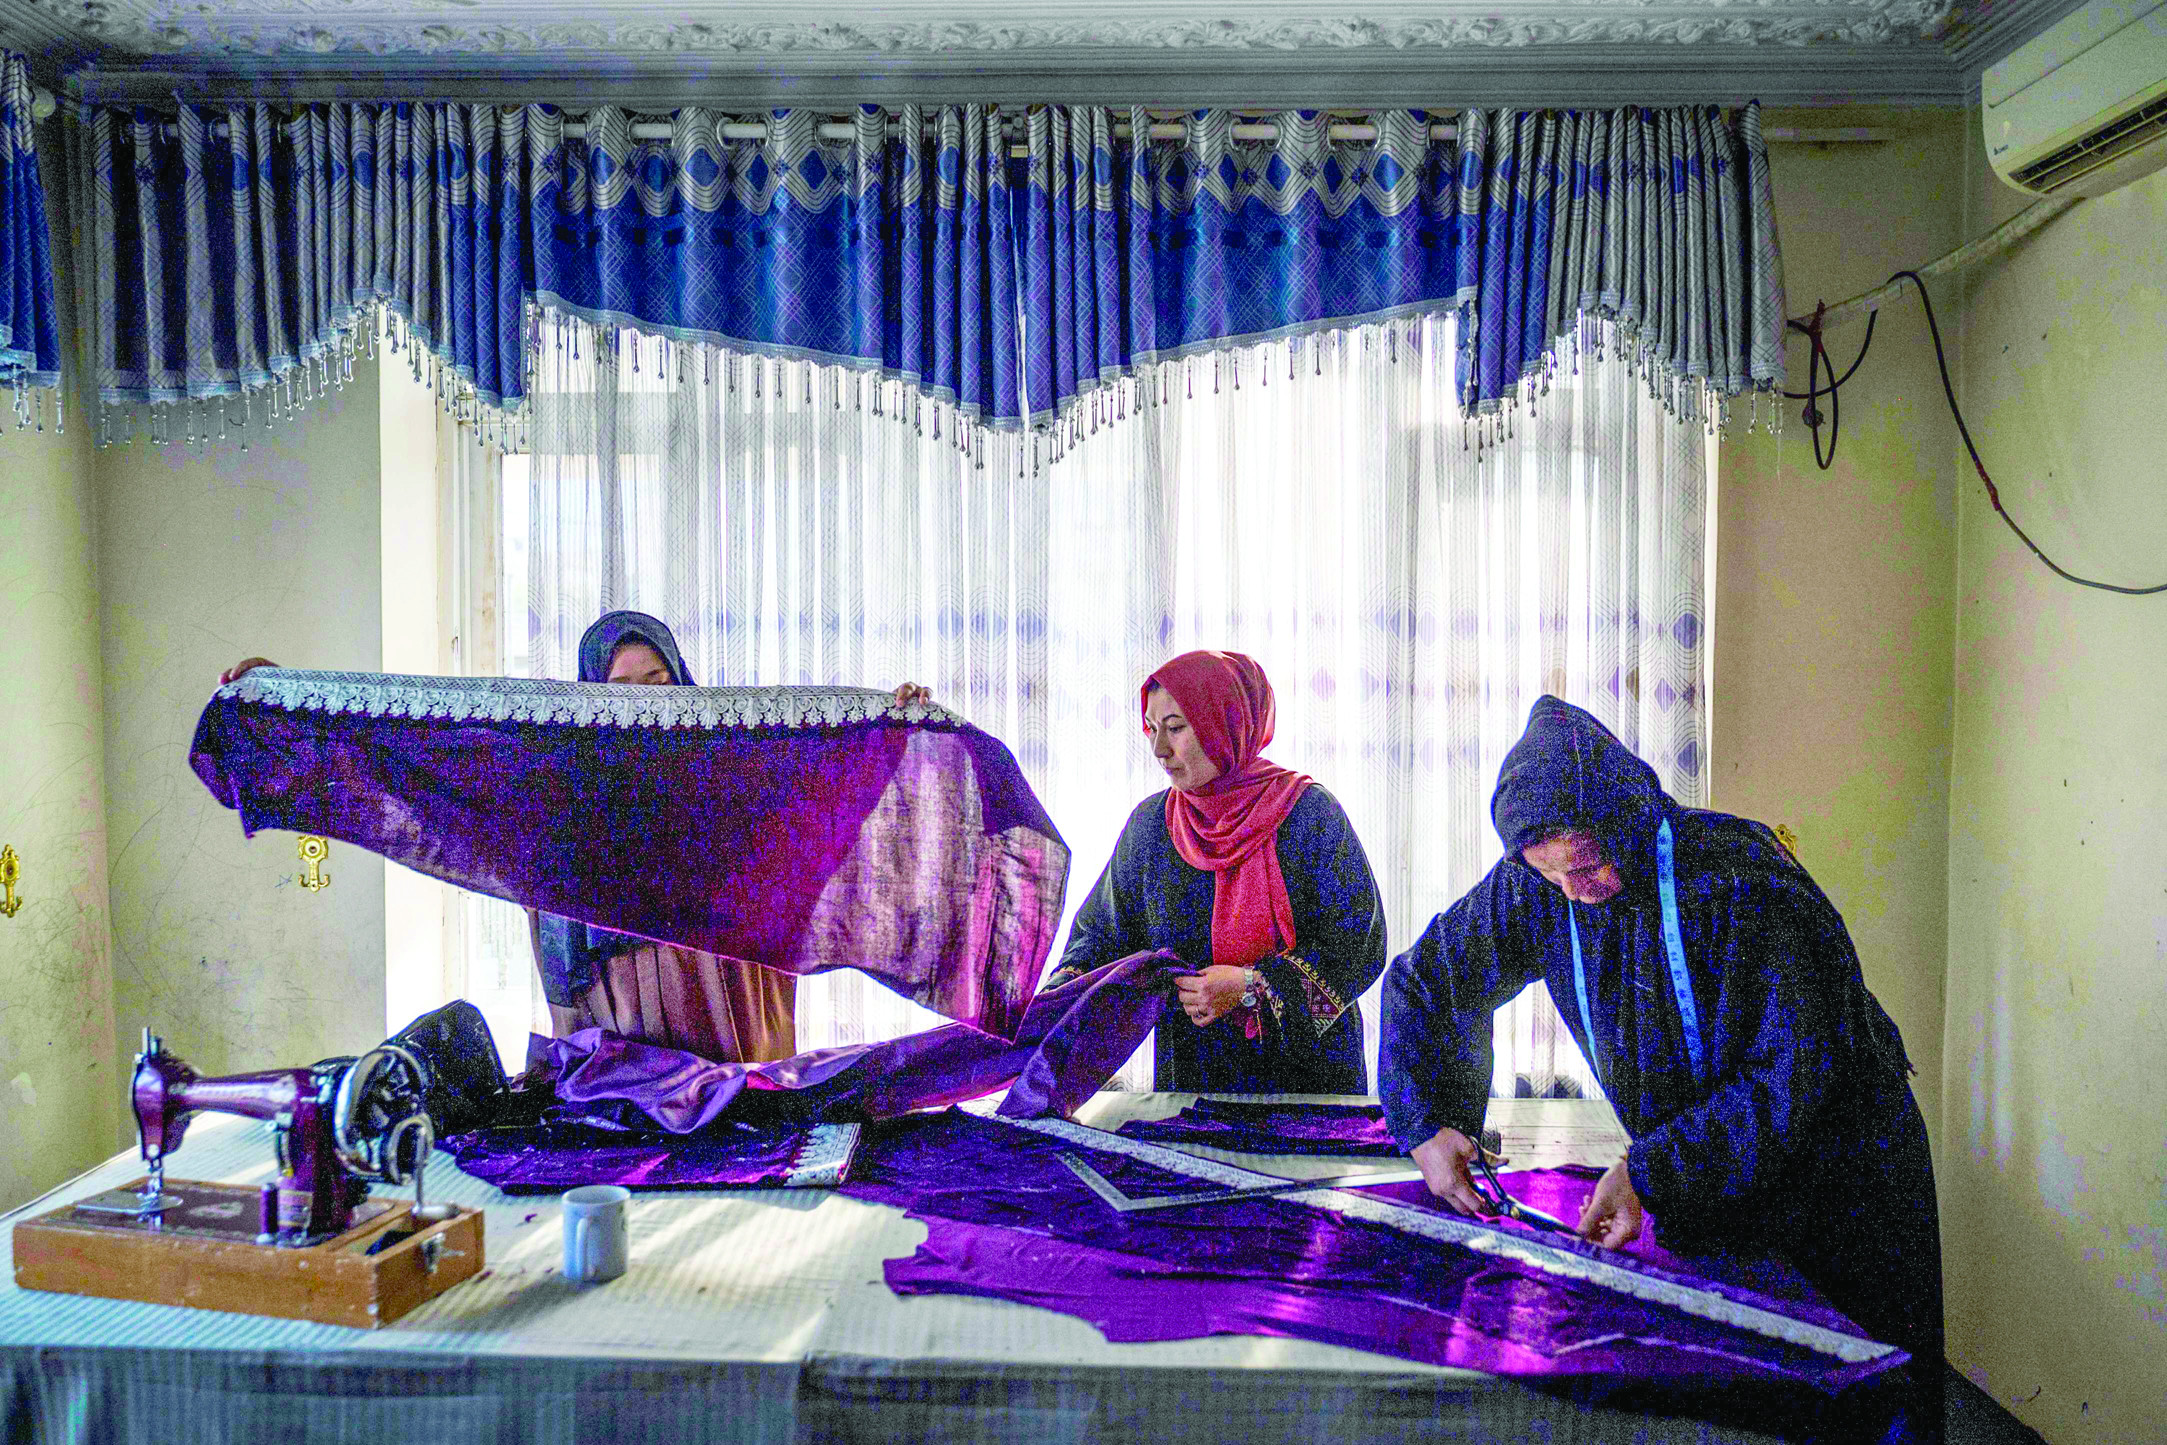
761, 1316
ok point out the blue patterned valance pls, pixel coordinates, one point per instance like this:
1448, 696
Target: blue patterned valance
1659, 223
29, 330
1002, 267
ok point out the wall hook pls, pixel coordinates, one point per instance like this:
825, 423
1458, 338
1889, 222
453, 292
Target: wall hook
1789, 840
11, 869
314, 851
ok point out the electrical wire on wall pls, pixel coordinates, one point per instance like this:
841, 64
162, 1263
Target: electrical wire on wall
1820, 362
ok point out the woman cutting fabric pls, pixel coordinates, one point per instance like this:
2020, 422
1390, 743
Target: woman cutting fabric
1253, 874
723, 1009
1716, 991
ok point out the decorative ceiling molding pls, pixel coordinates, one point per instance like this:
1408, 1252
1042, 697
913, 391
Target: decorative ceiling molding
1167, 52
1986, 31
358, 27
1534, 76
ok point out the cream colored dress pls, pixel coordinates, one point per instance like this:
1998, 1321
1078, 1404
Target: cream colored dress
680, 998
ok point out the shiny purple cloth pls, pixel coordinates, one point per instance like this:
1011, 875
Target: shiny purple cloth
1069, 1042
802, 829
1353, 1130
1007, 1220
550, 1158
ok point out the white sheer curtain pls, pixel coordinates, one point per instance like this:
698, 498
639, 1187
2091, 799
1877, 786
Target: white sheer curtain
481, 622
1315, 504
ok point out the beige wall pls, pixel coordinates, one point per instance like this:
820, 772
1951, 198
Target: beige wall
59, 1099
414, 905
1833, 643
271, 550
2054, 1165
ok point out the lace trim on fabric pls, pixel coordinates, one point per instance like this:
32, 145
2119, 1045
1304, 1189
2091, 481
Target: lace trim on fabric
582, 704
1449, 1229
823, 1160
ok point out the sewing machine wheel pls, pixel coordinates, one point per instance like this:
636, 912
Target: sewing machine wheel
380, 1120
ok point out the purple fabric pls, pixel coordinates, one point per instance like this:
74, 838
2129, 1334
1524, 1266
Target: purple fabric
548, 1159
1353, 1130
1006, 1220
800, 829
1564, 1193
1070, 1041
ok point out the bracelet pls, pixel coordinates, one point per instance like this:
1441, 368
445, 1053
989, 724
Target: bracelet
1249, 987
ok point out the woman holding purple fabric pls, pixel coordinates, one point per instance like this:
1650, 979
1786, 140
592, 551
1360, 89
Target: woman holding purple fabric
723, 1009
1251, 873
1715, 990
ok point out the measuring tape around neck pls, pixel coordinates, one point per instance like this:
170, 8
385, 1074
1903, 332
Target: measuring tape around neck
1681, 982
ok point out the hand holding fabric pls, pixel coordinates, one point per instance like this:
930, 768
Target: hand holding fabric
1613, 1217
1443, 1159
911, 692
245, 665
1210, 994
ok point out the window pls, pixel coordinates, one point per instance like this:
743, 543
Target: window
1316, 503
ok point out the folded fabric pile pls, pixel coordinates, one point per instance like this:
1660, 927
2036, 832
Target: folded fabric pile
550, 1158
597, 1109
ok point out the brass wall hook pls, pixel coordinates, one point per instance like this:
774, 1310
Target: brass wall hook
11, 869
314, 851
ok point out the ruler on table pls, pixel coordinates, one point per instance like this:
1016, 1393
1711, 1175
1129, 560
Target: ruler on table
1105, 1188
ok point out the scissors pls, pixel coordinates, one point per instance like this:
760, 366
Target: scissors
1502, 1203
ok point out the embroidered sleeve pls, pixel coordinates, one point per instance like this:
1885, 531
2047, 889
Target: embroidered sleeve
1302, 999
1323, 1002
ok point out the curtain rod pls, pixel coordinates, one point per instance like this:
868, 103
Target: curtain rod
1161, 130
843, 131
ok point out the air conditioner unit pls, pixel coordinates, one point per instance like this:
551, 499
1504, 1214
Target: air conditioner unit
2083, 108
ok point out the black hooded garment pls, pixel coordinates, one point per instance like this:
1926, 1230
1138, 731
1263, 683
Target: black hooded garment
1802, 1139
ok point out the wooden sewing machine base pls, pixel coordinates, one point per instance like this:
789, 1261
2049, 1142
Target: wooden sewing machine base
202, 1253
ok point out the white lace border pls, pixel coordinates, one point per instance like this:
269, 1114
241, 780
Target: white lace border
1449, 1229
581, 704
823, 1160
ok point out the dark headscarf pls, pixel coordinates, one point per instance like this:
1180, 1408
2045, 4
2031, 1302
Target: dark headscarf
572, 953
599, 643
1569, 771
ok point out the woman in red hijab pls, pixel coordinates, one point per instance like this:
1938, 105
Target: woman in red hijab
1252, 874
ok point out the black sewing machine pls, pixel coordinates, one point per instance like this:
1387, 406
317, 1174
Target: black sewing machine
311, 1243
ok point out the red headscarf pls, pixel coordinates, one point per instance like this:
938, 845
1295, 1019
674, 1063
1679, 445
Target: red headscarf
1229, 826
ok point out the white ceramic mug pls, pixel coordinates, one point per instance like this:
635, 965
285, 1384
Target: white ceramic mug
596, 1243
